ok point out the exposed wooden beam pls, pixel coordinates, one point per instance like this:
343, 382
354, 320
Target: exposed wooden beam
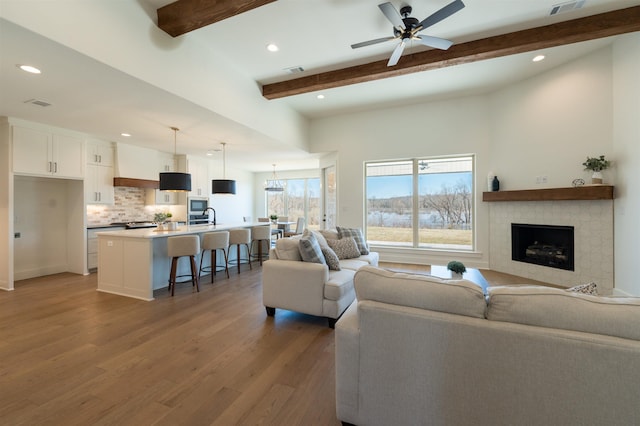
574, 31
182, 16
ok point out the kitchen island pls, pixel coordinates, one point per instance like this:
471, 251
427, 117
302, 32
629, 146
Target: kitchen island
134, 262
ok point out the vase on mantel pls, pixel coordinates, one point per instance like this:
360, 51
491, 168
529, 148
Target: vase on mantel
596, 178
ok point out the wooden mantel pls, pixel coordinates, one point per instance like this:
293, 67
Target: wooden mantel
589, 192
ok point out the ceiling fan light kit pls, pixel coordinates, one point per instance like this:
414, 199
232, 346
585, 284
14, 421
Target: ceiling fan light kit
406, 28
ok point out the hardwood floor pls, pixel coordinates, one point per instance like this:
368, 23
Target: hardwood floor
71, 355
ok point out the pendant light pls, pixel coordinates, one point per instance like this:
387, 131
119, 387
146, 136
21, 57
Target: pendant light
175, 181
223, 186
274, 184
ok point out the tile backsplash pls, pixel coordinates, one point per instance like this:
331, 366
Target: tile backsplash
129, 206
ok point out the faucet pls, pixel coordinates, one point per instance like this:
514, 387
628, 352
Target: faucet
214, 214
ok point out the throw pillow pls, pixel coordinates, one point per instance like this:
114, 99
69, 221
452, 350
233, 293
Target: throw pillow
357, 234
329, 234
589, 288
331, 257
345, 248
310, 250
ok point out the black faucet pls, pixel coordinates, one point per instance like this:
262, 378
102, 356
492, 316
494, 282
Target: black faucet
214, 214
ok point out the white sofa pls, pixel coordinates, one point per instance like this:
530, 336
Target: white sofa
417, 350
311, 288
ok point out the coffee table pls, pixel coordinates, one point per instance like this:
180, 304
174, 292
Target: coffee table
472, 275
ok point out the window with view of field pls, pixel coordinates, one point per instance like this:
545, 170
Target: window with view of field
422, 202
300, 198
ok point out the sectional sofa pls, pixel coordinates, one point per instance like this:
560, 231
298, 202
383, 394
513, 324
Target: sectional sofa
418, 350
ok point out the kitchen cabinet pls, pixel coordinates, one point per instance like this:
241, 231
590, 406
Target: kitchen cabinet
39, 152
92, 245
199, 170
99, 152
166, 163
98, 185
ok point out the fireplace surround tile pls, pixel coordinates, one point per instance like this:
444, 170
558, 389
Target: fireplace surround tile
593, 236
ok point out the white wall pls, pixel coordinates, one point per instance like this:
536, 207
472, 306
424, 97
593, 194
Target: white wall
543, 126
6, 203
232, 208
626, 148
456, 126
549, 124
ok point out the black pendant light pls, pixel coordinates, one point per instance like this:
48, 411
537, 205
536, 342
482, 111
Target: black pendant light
175, 181
223, 186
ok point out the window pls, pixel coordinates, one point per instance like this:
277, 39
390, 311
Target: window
300, 198
422, 202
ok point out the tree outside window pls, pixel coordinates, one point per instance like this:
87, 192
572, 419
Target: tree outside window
426, 202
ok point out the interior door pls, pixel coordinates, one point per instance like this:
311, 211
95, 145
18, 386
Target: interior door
330, 198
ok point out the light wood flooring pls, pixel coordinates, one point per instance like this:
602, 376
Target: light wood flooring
70, 355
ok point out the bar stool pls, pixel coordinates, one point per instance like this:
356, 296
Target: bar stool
260, 234
214, 241
177, 247
239, 237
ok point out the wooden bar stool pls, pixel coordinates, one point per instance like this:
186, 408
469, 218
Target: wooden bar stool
177, 247
214, 241
260, 234
240, 237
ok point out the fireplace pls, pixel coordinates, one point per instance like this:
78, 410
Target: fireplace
545, 245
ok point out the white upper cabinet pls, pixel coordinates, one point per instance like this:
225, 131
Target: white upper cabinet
99, 180
100, 152
199, 170
40, 152
166, 163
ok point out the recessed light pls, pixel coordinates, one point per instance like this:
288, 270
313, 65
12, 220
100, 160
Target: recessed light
271, 47
126, 135
538, 58
320, 96
29, 69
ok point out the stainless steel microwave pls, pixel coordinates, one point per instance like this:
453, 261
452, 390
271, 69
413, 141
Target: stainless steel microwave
198, 205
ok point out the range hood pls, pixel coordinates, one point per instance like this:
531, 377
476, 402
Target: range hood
136, 167
136, 183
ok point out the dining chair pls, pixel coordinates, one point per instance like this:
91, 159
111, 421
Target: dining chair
277, 232
299, 228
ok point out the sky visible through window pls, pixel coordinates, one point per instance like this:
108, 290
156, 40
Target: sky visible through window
400, 186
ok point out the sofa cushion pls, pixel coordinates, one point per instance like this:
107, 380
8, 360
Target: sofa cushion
330, 234
321, 239
287, 249
372, 258
557, 308
353, 264
310, 250
460, 297
331, 258
345, 248
338, 284
355, 233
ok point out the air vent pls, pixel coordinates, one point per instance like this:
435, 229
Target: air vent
37, 102
294, 70
566, 7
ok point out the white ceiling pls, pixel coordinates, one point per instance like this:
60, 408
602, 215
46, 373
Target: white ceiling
93, 97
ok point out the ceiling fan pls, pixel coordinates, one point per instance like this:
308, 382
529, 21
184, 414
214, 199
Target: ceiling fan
406, 28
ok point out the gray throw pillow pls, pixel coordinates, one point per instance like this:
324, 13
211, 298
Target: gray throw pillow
345, 248
310, 250
355, 233
332, 258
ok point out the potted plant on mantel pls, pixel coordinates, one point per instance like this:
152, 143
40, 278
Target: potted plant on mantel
596, 165
457, 268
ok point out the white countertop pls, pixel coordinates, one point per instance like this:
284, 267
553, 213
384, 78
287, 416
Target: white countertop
150, 233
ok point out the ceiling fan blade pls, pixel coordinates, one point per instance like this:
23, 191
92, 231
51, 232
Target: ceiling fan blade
441, 14
397, 52
370, 42
438, 43
392, 15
